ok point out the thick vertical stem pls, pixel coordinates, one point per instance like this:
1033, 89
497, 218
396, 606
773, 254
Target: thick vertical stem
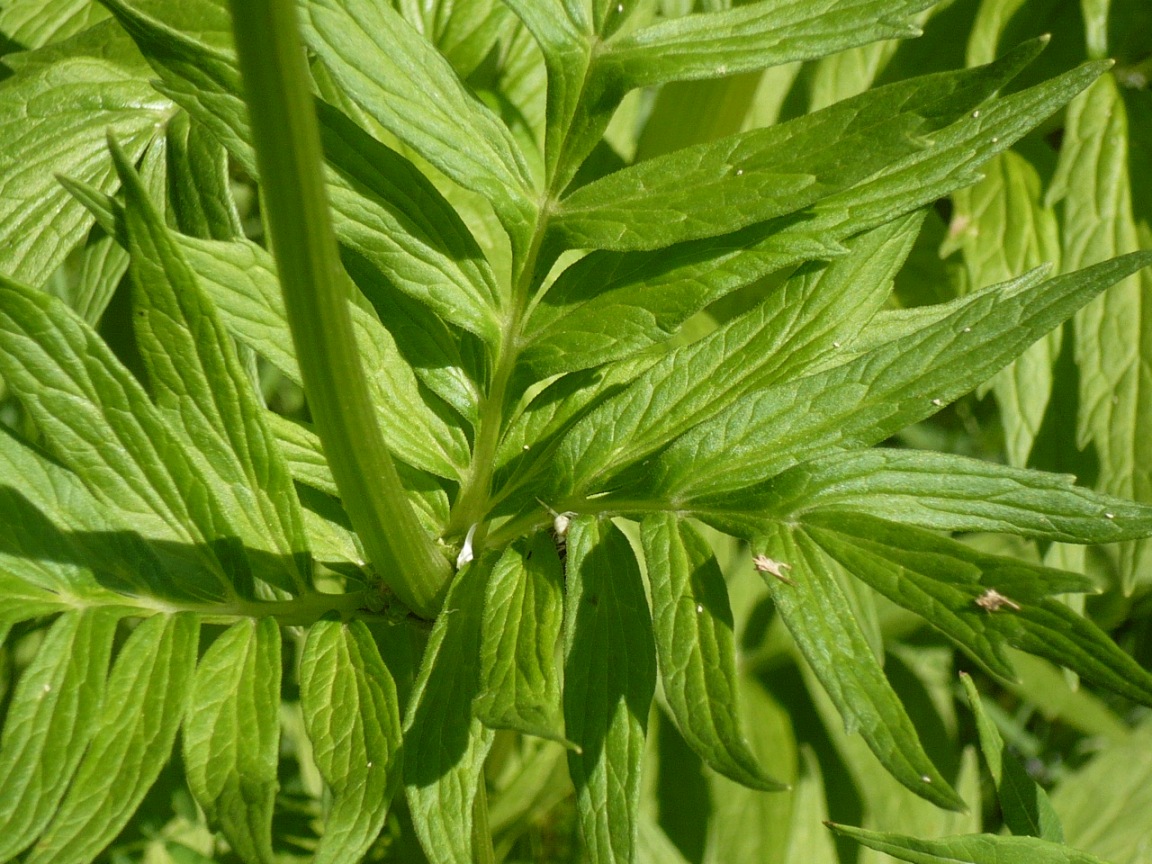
315, 288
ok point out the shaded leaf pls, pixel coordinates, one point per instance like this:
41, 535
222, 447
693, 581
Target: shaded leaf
32, 23
201, 388
609, 678
445, 745
1004, 230
98, 420
240, 277
940, 491
1103, 804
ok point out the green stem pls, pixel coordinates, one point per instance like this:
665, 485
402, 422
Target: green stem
481, 832
316, 293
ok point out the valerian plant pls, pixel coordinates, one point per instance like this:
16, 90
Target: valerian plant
579, 363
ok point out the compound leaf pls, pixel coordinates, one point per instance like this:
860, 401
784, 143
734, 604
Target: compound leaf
203, 391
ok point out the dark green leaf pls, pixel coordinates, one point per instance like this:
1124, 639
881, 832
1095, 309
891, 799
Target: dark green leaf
656, 291
721, 186
908, 377
609, 678
692, 622
817, 614
939, 491
412, 91
198, 182
939, 578
753, 36
806, 320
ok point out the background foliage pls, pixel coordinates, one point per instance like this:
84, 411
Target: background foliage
200, 663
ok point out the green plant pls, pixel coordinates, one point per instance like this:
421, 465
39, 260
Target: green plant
576, 374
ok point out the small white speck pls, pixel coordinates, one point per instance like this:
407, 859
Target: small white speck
975, 113
937, 402
967, 329
369, 765
619, 7
1109, 515
995, 140
47, 688
466, 553
721, 70
925, 778
835, 344
739, 171
527, 446
699, 608
560, 523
